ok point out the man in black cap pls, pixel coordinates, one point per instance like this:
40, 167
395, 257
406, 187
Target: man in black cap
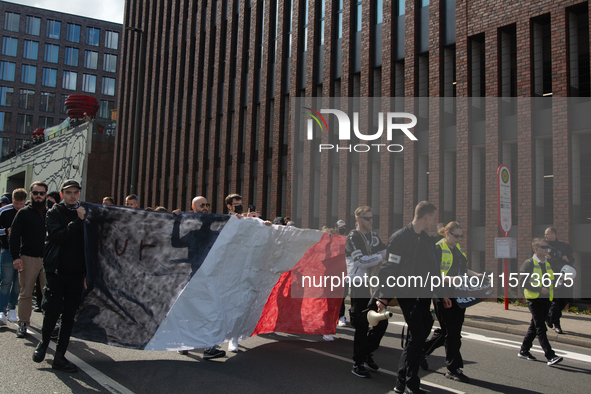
65, 270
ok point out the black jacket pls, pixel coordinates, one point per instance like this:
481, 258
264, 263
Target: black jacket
27, 233
7, 214
409, 254
64, 249
556, 251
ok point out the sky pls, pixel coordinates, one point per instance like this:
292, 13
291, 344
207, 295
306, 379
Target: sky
108, 10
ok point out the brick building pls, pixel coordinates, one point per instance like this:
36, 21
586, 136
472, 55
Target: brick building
46, 56
220, 78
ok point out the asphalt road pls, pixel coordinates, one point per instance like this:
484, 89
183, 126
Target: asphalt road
285, 363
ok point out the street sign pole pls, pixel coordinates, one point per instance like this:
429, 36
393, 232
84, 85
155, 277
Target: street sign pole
505, 218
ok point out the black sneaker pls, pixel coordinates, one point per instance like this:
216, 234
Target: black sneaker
526, 355
558, 329
549, 323
400, 387
424, 364
359, 370
457, 375
213, 352
555, 360
183, 352
21, 331
370, 364
62, 364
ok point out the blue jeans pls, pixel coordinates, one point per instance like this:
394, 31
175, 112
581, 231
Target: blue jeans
9, 285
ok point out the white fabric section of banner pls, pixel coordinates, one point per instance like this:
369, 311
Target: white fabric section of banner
226, 296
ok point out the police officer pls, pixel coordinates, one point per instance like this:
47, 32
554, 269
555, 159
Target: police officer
364, 252
411, 252
453, 262
560, 253
539, 291
65, 270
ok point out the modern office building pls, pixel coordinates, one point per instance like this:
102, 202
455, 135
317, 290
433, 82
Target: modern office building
46, 56
208, 90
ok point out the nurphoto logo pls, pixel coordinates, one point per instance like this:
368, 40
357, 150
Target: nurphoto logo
391, 120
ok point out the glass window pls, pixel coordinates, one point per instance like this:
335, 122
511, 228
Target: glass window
5, 121
379, 11
24, 124
45, 122
11, 21
89, 83
112, 40
71, 56
69, 81
7, 71
49, 77
92, 36
29, 74
401, 7
9, 46
31, 50
359, 16
106, 107
4, 142
424, 3
108, 86
91, 59
110, 63
53, 29
26, 99
63, 104
47, 102
73, 32
33, 25
51, 53
6, 93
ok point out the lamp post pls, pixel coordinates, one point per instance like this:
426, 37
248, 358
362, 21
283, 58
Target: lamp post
139, 86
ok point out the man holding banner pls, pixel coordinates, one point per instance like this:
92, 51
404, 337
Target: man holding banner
65, 269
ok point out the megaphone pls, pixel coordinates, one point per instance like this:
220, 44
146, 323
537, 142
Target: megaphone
374, 317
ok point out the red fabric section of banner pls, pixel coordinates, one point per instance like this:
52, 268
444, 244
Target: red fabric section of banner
314, 310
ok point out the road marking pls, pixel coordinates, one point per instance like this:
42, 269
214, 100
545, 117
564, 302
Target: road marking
102, 379
517, 345
385, 371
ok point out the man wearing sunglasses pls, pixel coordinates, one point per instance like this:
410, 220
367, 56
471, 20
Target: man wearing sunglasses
538, 291
200, 205
364, 253
27, 242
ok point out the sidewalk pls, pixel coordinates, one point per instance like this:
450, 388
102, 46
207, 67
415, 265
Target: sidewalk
493, 316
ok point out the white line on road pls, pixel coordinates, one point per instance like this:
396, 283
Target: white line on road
517, 345
387, 372
94, 373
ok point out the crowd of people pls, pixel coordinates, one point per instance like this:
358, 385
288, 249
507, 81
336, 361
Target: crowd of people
36, 140
43, 269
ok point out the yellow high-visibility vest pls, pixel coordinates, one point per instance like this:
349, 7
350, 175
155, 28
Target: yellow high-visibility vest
447, 257
532, 295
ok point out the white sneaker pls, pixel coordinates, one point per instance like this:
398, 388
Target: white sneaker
233, 345
12, 316
328, 337
2, 319
342, 322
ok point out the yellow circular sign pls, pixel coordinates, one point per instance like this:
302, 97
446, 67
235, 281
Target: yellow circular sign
505, 175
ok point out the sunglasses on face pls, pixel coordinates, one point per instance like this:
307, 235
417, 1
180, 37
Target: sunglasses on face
457, 236
36, 193
203, 205
367, 219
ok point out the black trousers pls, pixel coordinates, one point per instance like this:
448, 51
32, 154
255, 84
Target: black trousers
539, 308
63, 294
451, 321
367, 338
417, 315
